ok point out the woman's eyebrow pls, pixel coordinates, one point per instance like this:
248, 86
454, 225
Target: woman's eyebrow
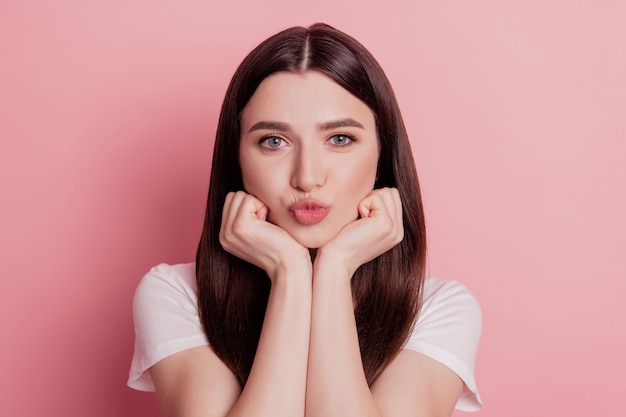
284, 127
281, 127
334, 124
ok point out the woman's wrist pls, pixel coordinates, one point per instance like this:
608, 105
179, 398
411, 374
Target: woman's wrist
297, 268
331, 266
330, 261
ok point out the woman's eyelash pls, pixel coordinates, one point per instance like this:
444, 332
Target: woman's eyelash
345, 138
272, 142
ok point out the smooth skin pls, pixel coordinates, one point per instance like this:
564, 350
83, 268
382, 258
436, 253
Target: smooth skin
305, 137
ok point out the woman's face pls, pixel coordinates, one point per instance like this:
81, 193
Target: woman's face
309, 151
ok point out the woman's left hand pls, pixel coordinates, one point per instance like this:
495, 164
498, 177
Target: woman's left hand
379, 229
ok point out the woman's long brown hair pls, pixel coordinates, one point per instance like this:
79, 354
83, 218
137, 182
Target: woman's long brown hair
233, 294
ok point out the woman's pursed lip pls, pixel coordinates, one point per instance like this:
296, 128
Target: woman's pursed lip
309, 211
308, 204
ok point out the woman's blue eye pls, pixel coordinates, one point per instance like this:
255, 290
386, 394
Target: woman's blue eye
273, 142
341, 140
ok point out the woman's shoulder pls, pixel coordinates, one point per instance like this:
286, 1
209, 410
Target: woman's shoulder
448, 330
168, 281
448, 307
177, 275
445, 293
165, 312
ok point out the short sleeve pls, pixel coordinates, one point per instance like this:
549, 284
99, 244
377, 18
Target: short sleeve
448, 330
166, 319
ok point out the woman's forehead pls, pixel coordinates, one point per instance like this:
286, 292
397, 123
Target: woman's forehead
304, 98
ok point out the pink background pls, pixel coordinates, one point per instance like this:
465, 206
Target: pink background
516, 111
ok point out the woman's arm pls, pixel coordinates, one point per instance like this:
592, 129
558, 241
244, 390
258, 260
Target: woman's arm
413, 384
336, 384
196, 383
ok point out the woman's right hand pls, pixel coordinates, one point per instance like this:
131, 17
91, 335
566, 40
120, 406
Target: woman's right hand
246, 233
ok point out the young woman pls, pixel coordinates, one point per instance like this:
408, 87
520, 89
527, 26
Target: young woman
308, 296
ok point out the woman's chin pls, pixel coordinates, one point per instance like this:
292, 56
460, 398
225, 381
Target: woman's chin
312, 245
312, 242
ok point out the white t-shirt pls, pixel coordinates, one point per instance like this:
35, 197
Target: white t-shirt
165, 311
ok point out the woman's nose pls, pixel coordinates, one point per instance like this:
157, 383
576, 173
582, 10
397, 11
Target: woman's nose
308, 170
